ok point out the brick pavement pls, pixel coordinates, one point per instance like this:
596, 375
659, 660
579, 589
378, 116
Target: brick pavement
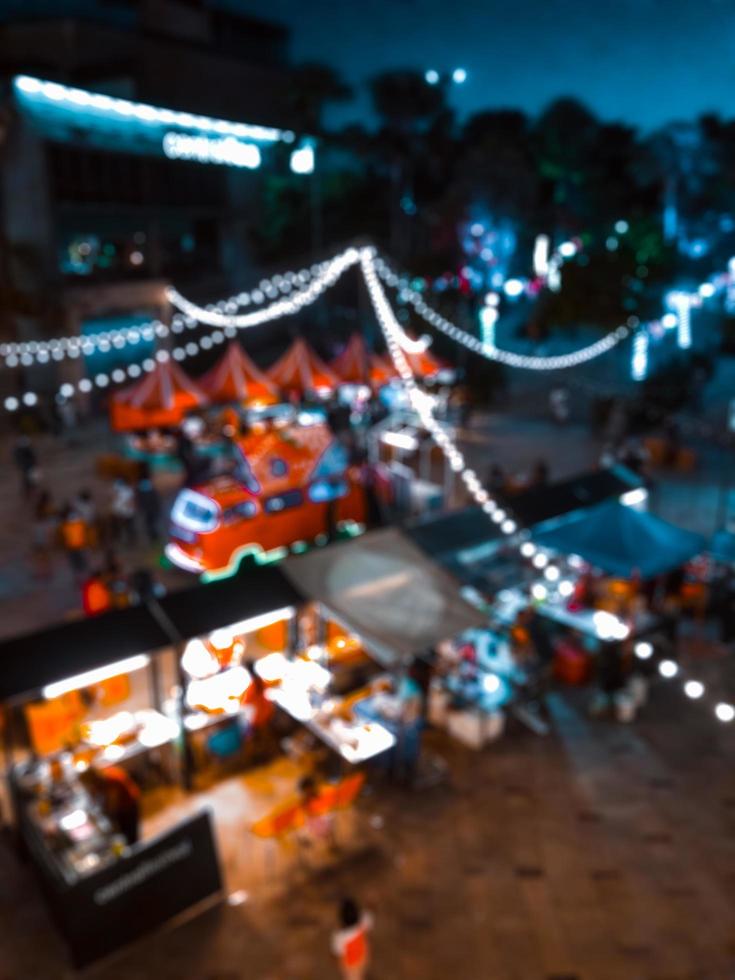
599, 853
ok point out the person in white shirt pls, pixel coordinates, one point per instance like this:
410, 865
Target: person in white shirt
350, 943
122, 510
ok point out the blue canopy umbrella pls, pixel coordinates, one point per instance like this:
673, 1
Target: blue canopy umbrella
620, 540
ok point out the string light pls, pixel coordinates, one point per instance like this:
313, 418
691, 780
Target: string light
529, 362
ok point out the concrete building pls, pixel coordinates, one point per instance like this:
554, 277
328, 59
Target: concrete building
137, 136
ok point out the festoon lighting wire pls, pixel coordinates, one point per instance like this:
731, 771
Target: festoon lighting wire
668, 669
297, 301
26, 353
529, 362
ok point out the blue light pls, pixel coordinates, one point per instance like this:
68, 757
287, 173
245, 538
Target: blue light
432, 77
639, 361
567, 250
459, 76
302, 159
621, 227
514, 288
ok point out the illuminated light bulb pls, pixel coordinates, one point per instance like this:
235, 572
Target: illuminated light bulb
85, 385
508, 527
528, 549
491, 683
101, 380
222, 639
432, 76
118, 375
66, 390
459, 76
643, 650
552, 573
706, 290
567, 250
134, 371
566, 588
11, 404
694, 689
30, 398
198, 661
725, 712
148, 364
539, 591
621, 227
540, 560
513, 288
162, 356
668, 668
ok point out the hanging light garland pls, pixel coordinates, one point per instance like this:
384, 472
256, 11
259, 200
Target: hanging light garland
668, 669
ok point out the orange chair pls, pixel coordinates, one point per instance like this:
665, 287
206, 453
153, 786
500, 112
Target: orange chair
348, 790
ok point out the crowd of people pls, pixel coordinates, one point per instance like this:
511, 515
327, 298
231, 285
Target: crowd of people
100, 537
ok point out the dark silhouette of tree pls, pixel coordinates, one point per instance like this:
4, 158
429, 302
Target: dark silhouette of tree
313, 88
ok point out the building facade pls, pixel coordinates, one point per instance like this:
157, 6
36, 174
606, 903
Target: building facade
136, 139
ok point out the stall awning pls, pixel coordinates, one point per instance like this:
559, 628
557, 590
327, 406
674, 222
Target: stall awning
30, 662
621, 541
539, 504
33, 660
251, 593
387, 590
447, 537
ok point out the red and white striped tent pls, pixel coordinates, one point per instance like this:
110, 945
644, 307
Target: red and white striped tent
301, 369
162, 398
235, 378
424, 364
352, 365
382, 370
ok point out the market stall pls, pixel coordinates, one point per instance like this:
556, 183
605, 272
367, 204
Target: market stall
301, 371
236, 378
86, 733
161, 399
402, 606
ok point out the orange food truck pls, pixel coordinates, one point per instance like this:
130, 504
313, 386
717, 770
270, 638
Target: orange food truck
290, 485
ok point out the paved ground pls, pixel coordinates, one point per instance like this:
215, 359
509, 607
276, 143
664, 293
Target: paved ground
598, 853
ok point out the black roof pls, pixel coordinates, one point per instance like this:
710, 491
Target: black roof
33, 660
252, 592
531, 507
30, 661
441, 535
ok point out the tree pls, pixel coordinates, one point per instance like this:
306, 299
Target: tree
314, 87
563, 137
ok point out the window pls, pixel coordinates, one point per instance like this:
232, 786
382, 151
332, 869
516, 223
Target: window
325, 490
239, 512
282, 501
194, 511
333, 462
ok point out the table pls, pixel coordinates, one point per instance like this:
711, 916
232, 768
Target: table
595, 623
300, 690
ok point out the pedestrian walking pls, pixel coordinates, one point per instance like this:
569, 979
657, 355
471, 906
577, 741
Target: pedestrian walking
24, 457
149, 503
74, 539
85, 506
350, 943
122, 510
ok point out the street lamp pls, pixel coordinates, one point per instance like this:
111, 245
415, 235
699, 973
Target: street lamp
457, 75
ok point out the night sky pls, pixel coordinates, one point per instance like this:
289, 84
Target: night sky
645, 61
